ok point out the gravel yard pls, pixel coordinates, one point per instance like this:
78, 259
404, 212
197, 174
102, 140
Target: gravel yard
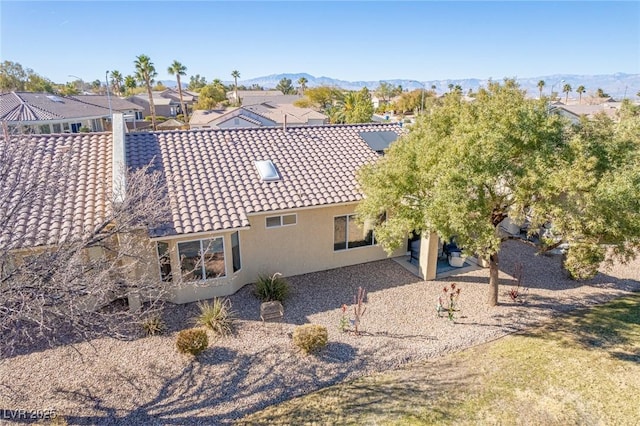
146, 381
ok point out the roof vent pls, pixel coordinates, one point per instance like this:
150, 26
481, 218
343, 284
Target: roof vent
267, 170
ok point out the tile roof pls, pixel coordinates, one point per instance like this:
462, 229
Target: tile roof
202, 117
71, 177
29, 106
276, 112
257, 98
213, 183
117, 104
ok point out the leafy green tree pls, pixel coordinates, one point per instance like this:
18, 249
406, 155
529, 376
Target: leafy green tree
117, 82
450, 86
566, 89
580, 90
302, 82
179, 70
210, 96
541, 85
412, 101
69, 89
462, 169
12, 76
196, 82
466, 166
321, 98
37, 83
601, 93
145, 74
285, 87
385, 91
236, 75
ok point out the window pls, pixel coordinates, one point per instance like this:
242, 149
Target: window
57, 128
347, 234
202, 259
235, 251
284, 220
164, 260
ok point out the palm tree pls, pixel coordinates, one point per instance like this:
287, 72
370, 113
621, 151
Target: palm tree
130, 83
580, 91
450, 86
236, 75
540, 86
145, 73
116, 82
303, 84
566, 89
178, 70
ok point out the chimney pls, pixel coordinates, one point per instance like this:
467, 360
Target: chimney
284, 123
118, 159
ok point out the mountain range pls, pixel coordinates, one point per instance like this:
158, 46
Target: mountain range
619, 85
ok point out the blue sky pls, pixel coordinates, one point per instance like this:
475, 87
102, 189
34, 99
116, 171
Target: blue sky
419, 40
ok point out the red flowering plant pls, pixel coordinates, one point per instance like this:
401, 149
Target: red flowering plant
448, 301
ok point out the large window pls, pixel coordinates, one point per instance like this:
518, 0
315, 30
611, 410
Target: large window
164, 259
202, 259
347, 234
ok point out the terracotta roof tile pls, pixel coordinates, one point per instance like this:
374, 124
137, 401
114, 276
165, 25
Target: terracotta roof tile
72, 177
213, 183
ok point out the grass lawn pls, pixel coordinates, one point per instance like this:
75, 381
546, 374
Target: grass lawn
582, 368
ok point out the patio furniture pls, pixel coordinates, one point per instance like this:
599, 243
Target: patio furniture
456, 259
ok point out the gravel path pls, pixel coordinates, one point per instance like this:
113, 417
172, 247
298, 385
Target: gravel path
147, 382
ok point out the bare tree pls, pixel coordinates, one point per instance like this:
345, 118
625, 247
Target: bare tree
59, 277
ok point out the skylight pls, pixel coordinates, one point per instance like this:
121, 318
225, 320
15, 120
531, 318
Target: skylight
55, 99
267, 170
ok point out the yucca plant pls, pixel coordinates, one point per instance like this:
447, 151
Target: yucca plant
269, 288
217, 316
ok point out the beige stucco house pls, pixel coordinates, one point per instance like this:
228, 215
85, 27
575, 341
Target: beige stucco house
244, 202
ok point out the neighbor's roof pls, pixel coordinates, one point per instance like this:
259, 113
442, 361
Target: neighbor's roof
213, 183
202, 117
117, 104
610, 109
276, 113
59, 185
29, 106
257, 98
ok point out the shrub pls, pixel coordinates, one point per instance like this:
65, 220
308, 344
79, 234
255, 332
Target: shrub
448, 301
270, 288
153, 325
310, 337
582, 260
192, 341
217, 316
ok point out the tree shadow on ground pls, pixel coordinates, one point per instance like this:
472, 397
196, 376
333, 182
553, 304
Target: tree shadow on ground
612, 327
543, 272
405, 395
255, 379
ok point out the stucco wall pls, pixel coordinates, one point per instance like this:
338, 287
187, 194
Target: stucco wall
296, 249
